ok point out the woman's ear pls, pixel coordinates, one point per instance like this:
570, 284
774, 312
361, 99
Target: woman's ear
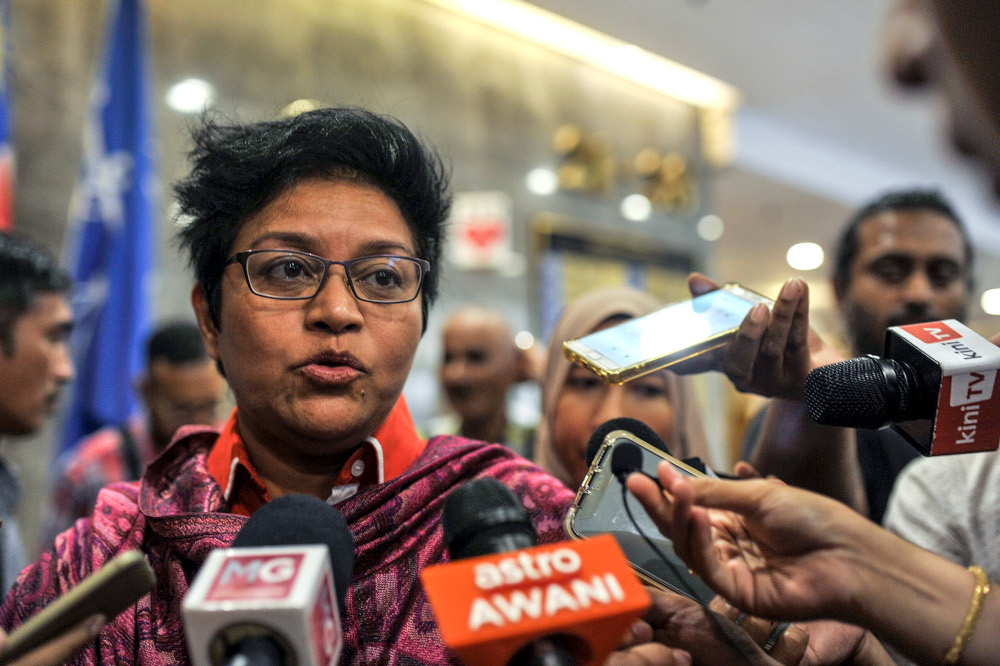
209, 331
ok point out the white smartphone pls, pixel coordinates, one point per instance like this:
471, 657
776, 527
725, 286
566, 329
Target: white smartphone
113, 588
670, 335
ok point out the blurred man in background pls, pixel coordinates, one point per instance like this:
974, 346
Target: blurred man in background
479, 367
902, 258
181, 386
35, 321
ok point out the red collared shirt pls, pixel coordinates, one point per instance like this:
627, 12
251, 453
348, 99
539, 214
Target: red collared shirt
382, 457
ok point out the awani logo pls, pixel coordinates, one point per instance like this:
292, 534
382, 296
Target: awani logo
255, 577
931, 332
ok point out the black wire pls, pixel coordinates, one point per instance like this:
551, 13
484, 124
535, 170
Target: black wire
715, 617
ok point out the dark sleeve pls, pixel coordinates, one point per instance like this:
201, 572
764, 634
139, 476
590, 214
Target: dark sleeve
882, 455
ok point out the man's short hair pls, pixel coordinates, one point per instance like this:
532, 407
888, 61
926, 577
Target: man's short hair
894, 200
177, 343
239, 169
26, 269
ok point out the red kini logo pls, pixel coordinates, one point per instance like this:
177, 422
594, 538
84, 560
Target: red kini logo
255, 577
930, 332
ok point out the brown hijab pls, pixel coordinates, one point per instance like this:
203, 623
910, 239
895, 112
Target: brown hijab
581, 317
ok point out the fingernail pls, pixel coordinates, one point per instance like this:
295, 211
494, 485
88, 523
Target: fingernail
682, 658
758, 313
791, 289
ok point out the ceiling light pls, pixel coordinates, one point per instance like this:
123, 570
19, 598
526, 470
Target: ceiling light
990, 300
804, 256
190, 95
599, 50
710, 227
542, 181
636, 207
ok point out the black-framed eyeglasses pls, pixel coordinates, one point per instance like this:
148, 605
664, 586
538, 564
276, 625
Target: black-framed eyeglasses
293, 275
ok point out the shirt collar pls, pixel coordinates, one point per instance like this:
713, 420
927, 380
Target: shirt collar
385, 455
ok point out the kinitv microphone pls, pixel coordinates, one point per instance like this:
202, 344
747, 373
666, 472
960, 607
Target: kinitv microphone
503, 600
273, 597
935, 381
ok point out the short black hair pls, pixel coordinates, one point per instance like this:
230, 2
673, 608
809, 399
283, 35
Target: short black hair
894, 200
177, 343
239, 169
26, 269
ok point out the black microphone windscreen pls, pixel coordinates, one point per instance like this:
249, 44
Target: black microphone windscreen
626, 459
484, 516
301, 520
634, 426
855, 393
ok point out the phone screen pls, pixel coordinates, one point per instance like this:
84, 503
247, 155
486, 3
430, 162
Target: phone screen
601, 511
673, 328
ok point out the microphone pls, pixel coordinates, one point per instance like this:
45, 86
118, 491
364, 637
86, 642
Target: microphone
273, 597
504, 600
935, 383
634, 426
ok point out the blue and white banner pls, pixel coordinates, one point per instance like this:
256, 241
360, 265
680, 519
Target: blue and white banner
6, 135
111, 231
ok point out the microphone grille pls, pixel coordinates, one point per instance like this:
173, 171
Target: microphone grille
854, 393
484, 516
299, 520
626, 459
634, 426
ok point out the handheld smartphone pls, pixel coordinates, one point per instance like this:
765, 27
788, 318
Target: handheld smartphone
598, 509
116, 586
672, 334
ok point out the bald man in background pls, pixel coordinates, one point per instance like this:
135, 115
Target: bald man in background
479, 366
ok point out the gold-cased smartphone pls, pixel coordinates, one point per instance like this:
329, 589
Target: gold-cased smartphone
116, 586
598, 509
670, 335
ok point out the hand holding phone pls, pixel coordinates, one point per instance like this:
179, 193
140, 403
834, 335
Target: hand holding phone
599, 509
666, 337
113, 588
771, 355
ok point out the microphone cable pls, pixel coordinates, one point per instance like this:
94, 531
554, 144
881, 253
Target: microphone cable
627, 459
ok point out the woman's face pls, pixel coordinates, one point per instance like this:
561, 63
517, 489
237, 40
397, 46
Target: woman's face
586, 402
316, 376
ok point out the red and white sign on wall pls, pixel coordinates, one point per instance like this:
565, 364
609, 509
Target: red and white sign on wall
479, 231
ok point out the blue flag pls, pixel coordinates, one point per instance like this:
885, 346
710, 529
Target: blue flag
6, 150
111, 232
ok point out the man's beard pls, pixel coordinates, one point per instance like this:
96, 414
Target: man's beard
868, 337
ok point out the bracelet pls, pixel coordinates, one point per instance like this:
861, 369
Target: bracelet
969, 625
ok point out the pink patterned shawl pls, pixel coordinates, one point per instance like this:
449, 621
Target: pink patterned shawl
175, 516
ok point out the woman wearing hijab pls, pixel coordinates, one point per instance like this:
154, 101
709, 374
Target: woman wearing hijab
575, 401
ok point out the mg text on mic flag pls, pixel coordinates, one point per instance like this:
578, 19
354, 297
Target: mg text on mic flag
111, 231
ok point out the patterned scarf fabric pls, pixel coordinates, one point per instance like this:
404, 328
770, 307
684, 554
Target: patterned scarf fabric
176, 516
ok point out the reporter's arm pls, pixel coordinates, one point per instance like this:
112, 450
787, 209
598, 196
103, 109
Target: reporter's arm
816, 457
778, 551
771, 355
